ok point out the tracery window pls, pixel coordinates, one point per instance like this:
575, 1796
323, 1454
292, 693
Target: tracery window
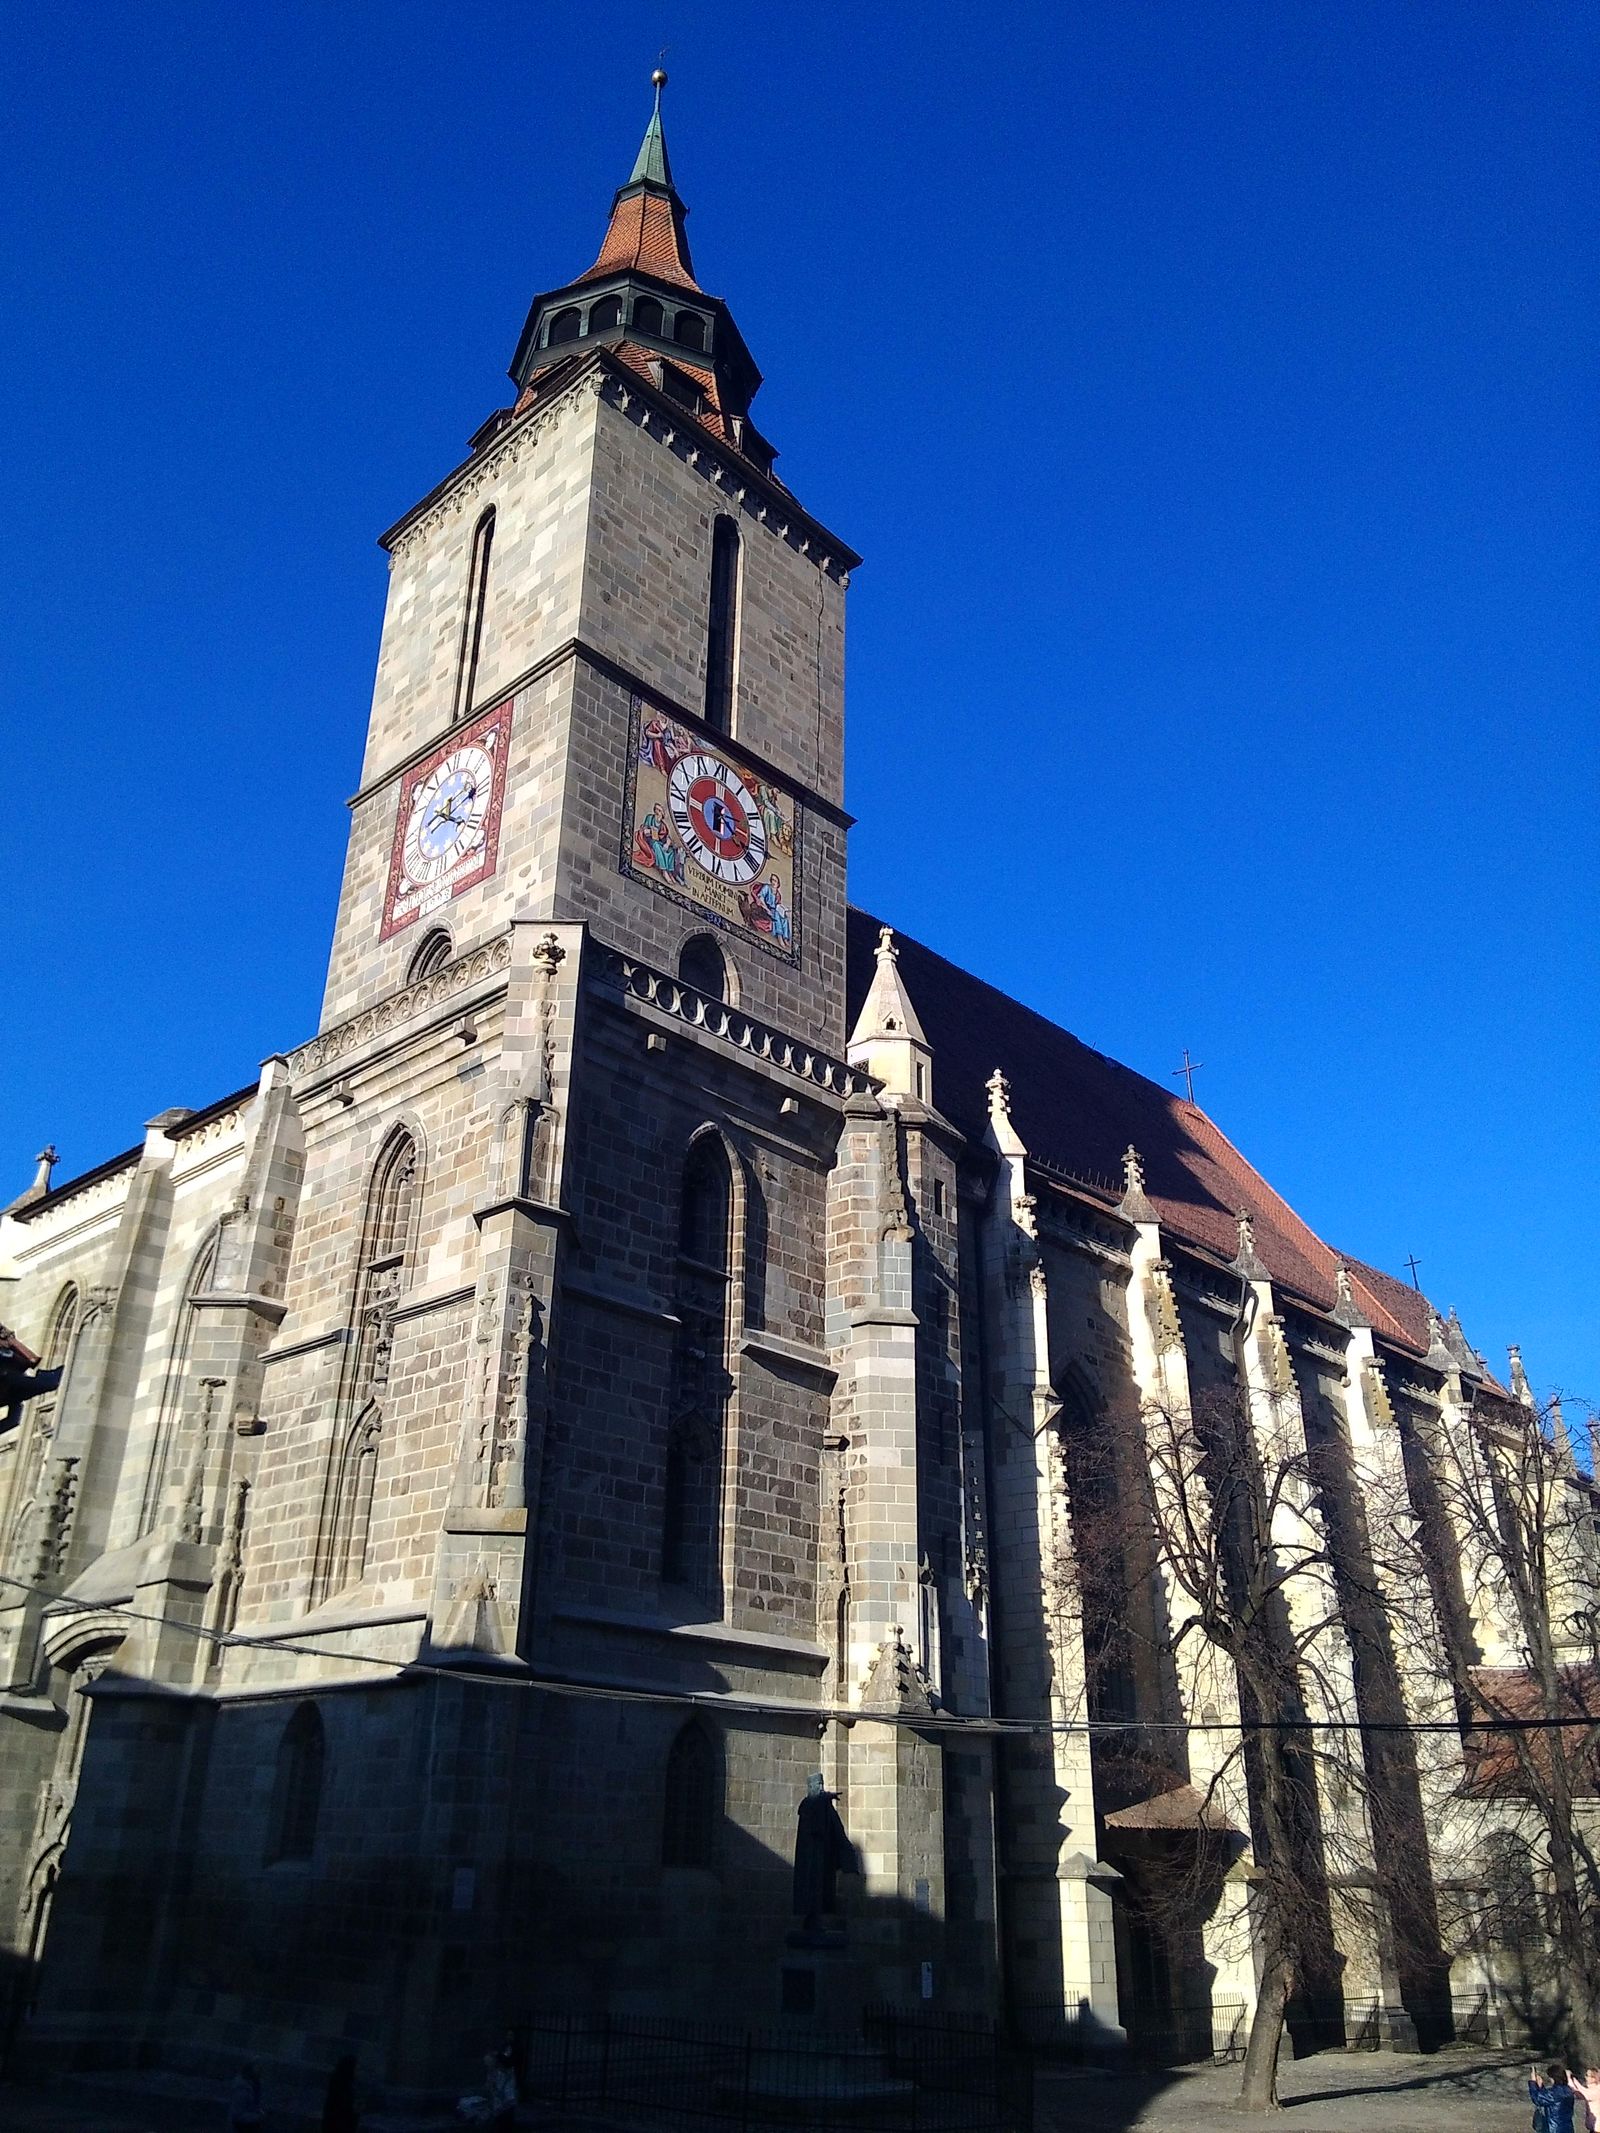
1513, 1897
692, 1800
722, 625
297, 1787
346, 1528
39, 1424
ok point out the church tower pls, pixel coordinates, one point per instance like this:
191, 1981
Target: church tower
610, 686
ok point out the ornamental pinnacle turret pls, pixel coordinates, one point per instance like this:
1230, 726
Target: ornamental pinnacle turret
641, 299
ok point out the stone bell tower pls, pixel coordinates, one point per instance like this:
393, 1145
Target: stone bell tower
610, 686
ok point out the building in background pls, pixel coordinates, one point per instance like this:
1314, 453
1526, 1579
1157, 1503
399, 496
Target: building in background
629, 1358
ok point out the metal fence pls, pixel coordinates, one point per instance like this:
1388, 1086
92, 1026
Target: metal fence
901, 2074
1475, 2019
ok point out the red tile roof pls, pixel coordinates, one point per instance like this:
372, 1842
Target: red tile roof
646, 232
1077, 1110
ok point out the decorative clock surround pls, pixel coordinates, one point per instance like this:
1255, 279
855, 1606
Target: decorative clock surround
447, 827
701, 828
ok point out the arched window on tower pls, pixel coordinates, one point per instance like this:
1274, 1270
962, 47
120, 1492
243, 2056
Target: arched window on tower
346, 1527
689, 330
297, 1787
607, 312
648, 316
176, 1395
36, 1432
565, 326
434, 950
472, 618
691, 1800
696, 1446
722, 625
702, 964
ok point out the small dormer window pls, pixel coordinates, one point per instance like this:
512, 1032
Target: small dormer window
565, 326
684, 390
608, 312
648, 316
689, 330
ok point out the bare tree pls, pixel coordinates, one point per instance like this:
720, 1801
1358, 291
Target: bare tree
1507, 1524
1219, 1506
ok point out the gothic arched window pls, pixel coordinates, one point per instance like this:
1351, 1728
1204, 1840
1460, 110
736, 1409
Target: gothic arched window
297, 1787
648, 316
702, 964
722, 625
433, 952
689, 330
691, 1800
38, 1424
174, 1398
346, 1526
696, 1445
607, 312
565, 326
1513, 1895
472, 618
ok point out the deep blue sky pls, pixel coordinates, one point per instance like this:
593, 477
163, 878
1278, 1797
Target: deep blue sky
1209, 386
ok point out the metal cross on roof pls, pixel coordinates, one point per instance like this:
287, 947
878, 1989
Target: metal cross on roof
1413, 1263
1187, 1072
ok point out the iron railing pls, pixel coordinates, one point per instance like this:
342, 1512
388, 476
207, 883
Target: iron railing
899, 2074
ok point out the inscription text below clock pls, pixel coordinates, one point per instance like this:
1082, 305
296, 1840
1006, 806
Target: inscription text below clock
718, 818
447, 826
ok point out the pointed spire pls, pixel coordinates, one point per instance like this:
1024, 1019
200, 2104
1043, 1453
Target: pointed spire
650, 165
1002, 1133
1135, 1204
45, 1161
646, 233
1346, 1311
1249, 1261
1519, 1377
1560, 1441
888, 1039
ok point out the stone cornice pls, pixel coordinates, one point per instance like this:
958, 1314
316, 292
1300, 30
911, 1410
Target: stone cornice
440, 989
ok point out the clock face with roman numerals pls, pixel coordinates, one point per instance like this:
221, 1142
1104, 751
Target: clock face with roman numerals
447, 828
718, 817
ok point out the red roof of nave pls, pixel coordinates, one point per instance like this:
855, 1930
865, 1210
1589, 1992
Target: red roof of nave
1076, 1111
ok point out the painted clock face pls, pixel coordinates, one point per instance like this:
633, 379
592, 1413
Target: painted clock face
447, 829
718, 817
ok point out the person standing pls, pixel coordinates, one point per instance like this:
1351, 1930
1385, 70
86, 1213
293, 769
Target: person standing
1588, 2090
502, 2088
1553, 2102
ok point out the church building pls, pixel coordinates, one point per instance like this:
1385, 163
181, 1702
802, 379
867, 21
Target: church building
458, 1489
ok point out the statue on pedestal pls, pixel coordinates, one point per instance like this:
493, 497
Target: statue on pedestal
822, 1851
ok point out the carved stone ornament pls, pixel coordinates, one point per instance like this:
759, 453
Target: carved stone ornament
548, 955
896, 1682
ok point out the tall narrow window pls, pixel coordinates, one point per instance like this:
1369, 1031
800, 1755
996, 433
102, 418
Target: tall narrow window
472, 620
692, 1800
692, 1473
722, 630
297, 1787
345, 1532
169, 1422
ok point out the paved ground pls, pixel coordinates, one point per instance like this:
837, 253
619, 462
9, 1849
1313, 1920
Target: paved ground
1451, 2092
1334, 2092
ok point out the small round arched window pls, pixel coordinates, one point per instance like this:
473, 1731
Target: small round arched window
608, 312
689, 330
434, 950
565, 326
648, 316
702, 964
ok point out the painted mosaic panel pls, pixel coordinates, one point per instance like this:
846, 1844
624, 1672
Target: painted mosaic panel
701, 827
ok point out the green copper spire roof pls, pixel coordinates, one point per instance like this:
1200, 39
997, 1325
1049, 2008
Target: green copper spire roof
650, 165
